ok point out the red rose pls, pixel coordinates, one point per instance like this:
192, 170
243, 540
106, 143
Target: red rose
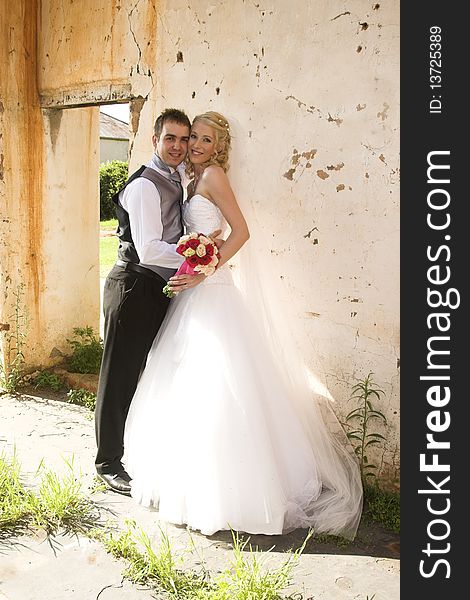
193, 260
192, 244
205, 260
209, 250
181, 248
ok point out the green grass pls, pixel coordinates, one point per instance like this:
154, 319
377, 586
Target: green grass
246, 578
58, 503
108, 254
108, 247
15, 508
82, 398
109, 225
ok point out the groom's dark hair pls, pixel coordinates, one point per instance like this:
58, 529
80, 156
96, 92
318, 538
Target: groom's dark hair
170, 114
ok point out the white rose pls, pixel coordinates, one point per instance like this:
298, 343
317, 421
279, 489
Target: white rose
204, 240
189, 252
206, 269
201, 250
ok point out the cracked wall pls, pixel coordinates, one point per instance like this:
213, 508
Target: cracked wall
95, 51
311, 91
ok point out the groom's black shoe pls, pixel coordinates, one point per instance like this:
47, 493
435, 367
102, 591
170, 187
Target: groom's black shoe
118, 482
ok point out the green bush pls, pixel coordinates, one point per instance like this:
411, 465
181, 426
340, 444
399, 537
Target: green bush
382, 506
87, 351
113, 175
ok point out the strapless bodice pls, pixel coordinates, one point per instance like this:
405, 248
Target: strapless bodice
200, 215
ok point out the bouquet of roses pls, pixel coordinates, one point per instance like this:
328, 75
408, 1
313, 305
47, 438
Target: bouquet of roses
201, 256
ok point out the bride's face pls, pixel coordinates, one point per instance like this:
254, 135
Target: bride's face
202, 143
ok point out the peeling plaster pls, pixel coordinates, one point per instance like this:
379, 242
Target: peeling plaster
295, 160
337, 167
54, 116
340, 187
322, 174
360, 107
338, 121
309, 109
135, 108
383, 115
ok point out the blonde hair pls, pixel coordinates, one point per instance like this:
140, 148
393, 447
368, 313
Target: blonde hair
222, 136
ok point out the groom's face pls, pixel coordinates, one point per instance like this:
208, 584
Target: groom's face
172, 145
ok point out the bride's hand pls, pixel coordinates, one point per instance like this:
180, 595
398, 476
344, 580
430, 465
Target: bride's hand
214, 237
179, 283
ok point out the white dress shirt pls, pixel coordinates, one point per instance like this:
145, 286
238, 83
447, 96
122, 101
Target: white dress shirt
141, 200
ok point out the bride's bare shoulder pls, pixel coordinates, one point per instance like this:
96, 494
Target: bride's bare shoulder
214, 174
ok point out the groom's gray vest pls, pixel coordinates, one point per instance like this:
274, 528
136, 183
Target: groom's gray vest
171, 196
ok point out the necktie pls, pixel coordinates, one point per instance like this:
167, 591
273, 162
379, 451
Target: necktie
175, 176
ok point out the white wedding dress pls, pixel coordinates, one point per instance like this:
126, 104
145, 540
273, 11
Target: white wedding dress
213, 439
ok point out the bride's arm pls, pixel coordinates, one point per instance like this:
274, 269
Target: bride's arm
216, 187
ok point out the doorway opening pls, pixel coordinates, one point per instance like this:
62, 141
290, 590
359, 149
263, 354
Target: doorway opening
114, 161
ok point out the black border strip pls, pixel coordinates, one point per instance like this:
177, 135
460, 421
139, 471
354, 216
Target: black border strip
433, 120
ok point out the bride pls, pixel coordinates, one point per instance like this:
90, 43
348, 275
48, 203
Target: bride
217, 437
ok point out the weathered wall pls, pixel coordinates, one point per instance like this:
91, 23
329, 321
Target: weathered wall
311, 92
22, 163
49, 208
95, 51
70, 254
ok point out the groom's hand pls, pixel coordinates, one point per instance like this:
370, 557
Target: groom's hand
179, 283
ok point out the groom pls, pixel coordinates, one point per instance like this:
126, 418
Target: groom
148, 209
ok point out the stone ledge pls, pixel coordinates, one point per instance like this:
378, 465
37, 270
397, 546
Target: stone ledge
86, 381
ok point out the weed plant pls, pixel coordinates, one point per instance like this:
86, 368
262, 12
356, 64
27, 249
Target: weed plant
48, 380
380, 505
87, 351
12, 370
358, 421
